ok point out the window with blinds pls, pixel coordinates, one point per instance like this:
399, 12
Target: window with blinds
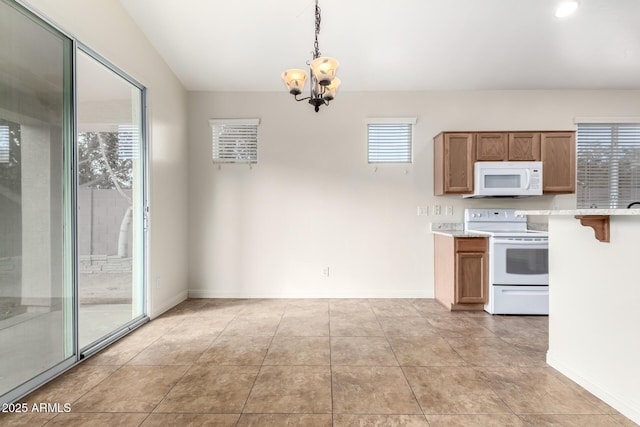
128, 142
235, 140
608, 165
4, 144
390, 140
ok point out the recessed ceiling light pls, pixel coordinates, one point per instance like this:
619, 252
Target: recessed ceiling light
566, 8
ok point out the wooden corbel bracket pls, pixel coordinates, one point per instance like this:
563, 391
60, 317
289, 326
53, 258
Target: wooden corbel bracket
599, 223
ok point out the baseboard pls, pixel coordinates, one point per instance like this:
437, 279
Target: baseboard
622, 405
244, 293
172, 302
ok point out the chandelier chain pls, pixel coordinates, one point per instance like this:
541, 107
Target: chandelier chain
316, 53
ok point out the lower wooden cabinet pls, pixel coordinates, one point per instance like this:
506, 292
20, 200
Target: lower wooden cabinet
461, 276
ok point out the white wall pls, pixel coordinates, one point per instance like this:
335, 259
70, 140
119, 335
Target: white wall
105, 27
594, 309
312, 201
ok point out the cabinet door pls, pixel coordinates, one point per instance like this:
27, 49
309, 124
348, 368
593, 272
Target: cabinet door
491, 147
458, 163
558, 153
524, 146
471, 278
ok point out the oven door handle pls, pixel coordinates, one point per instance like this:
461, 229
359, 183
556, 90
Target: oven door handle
520, 242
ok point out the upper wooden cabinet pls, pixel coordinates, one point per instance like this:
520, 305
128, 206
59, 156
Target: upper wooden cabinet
558, 155
453, 166
524, 146
456, 152
491, 147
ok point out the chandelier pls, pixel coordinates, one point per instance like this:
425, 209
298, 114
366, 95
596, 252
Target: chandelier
324, 82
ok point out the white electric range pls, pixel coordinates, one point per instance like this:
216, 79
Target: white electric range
518, 261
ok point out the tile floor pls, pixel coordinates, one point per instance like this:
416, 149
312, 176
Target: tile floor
322, 363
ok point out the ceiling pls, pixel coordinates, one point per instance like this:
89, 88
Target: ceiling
382, 45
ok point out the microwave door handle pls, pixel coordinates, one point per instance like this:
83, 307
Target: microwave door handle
528, 174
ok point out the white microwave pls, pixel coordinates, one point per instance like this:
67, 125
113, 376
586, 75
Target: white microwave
507, 179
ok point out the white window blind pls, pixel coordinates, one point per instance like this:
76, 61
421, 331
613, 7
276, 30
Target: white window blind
4, 144
128, 146
390, 140
608, 165
235, 140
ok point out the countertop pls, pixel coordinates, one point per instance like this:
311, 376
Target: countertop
452, 229
580, 212
458, 233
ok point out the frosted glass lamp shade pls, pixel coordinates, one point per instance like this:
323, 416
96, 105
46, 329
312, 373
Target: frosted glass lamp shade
295, 79
330, 90
324, 69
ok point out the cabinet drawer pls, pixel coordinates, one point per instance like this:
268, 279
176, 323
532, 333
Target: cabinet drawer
471, 244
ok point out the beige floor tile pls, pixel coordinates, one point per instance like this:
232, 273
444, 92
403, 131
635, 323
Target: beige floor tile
173, 348
461, 326
253, 325
600, 406
71, 385
131, 389
362, 351
304, 308
569, 421
453, 390
291, 389
393, 308
355, 326
623, 421
210, 388
406, 326
28, 419
490, 351
493, 420
298, 420
122, 351
263, 308
348, 307
424, 351
236, 350
345, 420
97, 420
372, 390
536, 391
191, 420
298, 351
270, 358
203, 326
304, 326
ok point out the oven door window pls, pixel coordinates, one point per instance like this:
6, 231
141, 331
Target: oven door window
527, 261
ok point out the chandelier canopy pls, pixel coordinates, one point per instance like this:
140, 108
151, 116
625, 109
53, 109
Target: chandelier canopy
323, 83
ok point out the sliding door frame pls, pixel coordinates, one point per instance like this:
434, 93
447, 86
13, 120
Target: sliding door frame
144, 317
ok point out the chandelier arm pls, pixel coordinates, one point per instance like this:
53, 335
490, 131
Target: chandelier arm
300, 99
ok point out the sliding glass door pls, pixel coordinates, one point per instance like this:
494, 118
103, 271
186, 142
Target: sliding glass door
110, 199
72, 201
36, 304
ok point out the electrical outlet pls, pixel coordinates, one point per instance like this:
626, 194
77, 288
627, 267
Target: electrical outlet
326, 271
423, 210
436, 209
448, 210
